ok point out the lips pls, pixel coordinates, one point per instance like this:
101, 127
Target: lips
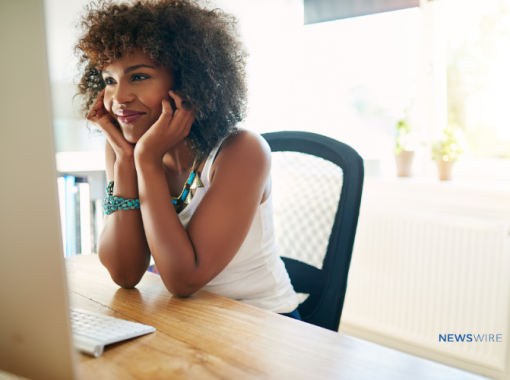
128, 116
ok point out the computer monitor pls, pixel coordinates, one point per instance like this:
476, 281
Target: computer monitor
35, 331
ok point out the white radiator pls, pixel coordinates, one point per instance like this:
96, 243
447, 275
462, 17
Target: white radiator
417, 274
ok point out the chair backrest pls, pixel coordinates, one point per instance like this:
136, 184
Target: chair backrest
316, 183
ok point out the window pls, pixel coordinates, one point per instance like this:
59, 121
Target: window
349, 79
478, 74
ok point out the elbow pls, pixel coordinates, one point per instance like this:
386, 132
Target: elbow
125, 281
180, 289
182, 294
126, 278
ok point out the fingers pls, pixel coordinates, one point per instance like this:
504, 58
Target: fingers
176, 124
100, 117
97, 107
166, 114
100, 99
167, 108
177, 99
98, 114
172, 126
178, 103
117, 141
183, 116
185, 120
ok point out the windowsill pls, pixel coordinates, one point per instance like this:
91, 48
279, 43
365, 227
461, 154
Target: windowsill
482, 199
496, 186
80, 161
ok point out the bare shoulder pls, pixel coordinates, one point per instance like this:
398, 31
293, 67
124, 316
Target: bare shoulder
244, 148
245, 145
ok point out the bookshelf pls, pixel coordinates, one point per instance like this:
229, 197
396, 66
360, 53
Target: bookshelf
81, 182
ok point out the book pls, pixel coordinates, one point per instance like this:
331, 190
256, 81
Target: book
85, 211
76, 215
62, 205
70, 216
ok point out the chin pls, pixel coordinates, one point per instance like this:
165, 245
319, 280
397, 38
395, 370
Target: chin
131, 137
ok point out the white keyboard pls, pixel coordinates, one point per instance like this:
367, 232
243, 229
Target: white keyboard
92, 331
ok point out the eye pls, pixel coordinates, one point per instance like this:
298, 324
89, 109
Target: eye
139, 77
109, 80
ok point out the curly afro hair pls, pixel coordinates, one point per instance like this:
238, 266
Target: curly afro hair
200, 46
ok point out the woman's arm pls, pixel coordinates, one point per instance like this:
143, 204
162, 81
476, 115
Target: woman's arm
188, 260
122, 246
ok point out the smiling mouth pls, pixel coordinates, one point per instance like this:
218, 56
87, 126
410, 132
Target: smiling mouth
130, 118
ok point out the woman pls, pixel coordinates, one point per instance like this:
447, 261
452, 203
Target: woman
165, 82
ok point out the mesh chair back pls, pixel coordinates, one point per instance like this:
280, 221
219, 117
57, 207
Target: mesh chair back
306, 191
316, 185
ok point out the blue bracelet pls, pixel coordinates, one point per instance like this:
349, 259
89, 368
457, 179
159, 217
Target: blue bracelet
111, 203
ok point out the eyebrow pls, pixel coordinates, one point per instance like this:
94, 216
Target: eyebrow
130, 69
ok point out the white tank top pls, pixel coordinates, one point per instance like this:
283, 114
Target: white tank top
256, 275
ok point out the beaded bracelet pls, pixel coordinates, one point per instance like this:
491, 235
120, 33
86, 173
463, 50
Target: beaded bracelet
111, 203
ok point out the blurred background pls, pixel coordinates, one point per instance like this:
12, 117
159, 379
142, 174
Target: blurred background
420, 89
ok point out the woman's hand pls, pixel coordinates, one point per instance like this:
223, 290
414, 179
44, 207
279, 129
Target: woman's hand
100, 118
166, 132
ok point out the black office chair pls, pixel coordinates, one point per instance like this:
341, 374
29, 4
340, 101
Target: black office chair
316, 184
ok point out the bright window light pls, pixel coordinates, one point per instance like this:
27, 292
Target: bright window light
479, 74
349, 79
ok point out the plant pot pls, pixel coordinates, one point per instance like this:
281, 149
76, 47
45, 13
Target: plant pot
445, 170
404, 161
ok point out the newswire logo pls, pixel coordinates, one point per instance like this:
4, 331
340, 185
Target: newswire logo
471, 337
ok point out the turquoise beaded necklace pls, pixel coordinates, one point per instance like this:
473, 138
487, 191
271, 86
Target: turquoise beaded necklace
193, 182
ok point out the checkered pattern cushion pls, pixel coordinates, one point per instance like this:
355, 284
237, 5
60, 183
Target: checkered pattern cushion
306, 190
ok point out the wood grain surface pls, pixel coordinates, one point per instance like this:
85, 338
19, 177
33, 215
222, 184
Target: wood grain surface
206, 336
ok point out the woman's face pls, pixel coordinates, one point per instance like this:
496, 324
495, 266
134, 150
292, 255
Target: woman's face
135, 88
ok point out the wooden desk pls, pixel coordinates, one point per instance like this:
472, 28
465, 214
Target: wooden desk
207, 336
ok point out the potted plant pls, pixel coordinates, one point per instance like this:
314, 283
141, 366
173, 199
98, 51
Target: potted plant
447, 151
404, 149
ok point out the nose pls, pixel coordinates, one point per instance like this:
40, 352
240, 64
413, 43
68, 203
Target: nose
122, 93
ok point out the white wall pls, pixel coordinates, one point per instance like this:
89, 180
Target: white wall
71, 133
